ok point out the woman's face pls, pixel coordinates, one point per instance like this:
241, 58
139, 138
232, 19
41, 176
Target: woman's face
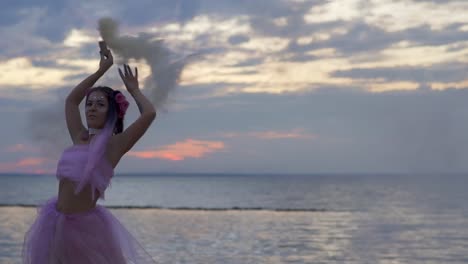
96, 109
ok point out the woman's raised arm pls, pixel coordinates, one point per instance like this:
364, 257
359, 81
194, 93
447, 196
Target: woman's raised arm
73, 100
135, 131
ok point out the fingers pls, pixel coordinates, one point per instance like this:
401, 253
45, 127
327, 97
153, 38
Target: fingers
130, 70
121, 75
127, 72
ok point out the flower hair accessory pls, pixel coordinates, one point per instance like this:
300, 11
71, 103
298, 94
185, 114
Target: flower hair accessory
123, 104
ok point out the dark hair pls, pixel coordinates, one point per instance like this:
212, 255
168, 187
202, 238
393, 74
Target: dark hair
113, 110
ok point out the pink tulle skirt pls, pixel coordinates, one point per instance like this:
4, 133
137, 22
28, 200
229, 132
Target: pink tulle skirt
93, 237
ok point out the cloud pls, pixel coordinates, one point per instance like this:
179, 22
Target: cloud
390, 15
273, 44
249, 62
238, 39
189, 148
445, 72
77, 38
21, 72
273, 135
21, 38
187, 9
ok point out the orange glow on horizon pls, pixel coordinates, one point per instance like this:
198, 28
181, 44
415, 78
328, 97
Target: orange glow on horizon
30, 162
26, 165
189, 148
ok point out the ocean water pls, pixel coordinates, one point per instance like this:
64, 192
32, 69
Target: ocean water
270, 218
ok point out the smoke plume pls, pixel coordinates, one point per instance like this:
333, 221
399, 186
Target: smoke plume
164, 65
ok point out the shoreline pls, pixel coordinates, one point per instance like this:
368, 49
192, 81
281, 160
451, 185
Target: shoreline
125, 207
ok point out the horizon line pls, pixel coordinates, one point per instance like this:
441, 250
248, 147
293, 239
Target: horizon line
247, 173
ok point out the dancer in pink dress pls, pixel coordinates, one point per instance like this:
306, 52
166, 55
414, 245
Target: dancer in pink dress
71, 228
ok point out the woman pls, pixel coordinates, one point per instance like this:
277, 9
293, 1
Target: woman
71, 228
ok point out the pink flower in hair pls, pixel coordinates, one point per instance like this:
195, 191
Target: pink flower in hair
123, 104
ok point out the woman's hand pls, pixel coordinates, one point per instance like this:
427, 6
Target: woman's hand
106, 59
130, 80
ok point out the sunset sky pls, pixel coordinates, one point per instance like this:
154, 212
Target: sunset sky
348, 86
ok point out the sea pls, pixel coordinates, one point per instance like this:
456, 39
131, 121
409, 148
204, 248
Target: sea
269, 218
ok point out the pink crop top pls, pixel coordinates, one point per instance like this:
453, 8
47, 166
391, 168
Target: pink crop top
72, 163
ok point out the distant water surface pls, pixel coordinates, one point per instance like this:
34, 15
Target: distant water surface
334, 218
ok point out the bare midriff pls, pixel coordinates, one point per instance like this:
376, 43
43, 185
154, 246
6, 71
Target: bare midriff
68, 202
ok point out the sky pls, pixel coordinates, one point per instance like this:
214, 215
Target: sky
290, 86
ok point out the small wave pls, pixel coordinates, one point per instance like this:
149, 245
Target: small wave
235, 208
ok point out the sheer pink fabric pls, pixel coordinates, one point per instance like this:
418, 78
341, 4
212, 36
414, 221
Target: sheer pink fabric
95, 159
92, 237
71, 166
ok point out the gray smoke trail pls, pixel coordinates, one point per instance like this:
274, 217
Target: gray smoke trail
165, 68
47, 126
